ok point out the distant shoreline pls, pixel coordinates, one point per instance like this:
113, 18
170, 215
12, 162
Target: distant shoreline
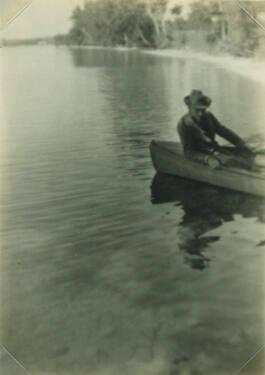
250, 67
121, 48
246, 66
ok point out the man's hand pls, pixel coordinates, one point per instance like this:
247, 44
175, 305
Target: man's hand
212, 161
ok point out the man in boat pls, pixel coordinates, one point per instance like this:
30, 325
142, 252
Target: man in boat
197, 130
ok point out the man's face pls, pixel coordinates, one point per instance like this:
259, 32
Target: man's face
197, 112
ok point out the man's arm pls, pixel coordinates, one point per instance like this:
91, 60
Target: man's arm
192, 138
227, 134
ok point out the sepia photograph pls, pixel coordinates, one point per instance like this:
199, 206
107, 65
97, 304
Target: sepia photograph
132, 187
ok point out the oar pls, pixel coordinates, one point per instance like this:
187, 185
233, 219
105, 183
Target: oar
259, 159
259, 151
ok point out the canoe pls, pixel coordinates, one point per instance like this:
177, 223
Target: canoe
168, 158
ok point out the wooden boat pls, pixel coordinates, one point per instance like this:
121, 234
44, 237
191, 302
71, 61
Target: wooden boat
167, 157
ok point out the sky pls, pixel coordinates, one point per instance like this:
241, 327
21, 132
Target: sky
39, 17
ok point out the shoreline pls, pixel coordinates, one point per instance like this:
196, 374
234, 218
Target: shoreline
249, 67
246, 66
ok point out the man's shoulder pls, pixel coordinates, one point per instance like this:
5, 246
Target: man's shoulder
211, 119
209, 116
185, 121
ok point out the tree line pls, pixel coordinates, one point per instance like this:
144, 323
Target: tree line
163, 23
153, 24
141, 23
119, 22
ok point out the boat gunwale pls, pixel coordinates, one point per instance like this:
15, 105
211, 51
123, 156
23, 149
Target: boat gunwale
229, 171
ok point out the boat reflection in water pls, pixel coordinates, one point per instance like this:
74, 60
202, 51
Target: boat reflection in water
205, 208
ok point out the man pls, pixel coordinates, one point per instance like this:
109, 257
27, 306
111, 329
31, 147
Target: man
197, 130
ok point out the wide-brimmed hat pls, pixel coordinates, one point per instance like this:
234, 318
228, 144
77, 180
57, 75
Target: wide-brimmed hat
198, 99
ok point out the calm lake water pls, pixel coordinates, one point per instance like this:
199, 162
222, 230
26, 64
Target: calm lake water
107, 268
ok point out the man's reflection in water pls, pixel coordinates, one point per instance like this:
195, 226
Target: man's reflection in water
205, 208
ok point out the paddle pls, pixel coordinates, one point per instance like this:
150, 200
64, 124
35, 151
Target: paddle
255, 157
259, 159
258, 151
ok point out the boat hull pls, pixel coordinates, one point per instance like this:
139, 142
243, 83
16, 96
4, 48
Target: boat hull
167, 157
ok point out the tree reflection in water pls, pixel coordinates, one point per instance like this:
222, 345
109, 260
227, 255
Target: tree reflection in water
205, 208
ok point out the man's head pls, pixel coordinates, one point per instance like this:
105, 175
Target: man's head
197, 103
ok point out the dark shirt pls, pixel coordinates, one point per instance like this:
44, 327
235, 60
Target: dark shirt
200, 136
